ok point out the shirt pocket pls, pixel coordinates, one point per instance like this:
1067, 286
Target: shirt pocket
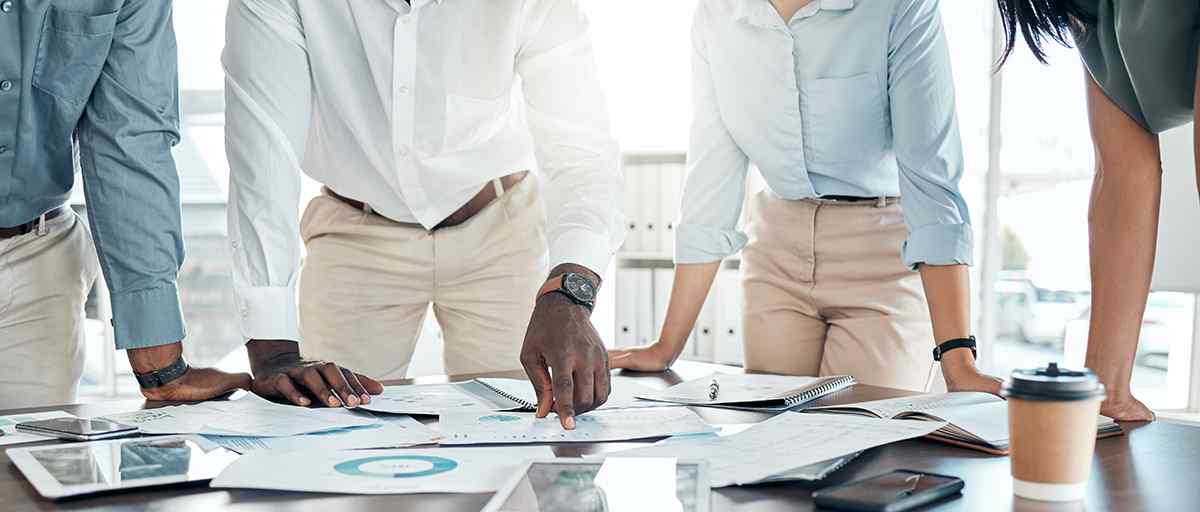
72, 52
472, 121
845, 119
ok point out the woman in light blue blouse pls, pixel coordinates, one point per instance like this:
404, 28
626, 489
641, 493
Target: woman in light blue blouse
845, 107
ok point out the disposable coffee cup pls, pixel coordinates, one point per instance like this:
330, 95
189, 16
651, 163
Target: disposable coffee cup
1052, 431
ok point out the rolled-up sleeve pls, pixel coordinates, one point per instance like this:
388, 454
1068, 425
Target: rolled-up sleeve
568, 118
129, 125
715, 187
268, 96
927, 144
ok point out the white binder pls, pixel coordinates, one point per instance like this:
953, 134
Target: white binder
625, 332
649, 194
646, 334
729, 318
633, 223
671, 178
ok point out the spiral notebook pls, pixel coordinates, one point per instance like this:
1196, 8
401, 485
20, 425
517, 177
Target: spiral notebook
751, 391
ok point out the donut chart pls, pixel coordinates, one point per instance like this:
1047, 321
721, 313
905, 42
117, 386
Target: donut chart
396, 466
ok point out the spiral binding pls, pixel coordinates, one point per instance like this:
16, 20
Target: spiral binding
518, 400
820, 391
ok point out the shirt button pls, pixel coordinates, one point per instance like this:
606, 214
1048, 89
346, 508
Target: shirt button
404, 89
5, 85
3, 150
245, 312
403, 151
6, 5
234, 244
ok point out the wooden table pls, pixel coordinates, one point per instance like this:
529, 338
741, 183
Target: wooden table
1153, 467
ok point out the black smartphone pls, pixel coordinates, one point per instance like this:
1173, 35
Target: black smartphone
890, 492
77, 429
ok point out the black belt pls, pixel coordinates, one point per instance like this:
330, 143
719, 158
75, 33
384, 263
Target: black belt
32, 225
850, 199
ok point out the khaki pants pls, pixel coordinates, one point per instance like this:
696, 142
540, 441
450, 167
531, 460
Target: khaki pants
44, 281
367, 283
826, 293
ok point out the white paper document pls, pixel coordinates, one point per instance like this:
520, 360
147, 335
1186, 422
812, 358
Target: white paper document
392, 432
8, 425
784, 443
435, 399
408, 471
621, 394
251, 415
612, 425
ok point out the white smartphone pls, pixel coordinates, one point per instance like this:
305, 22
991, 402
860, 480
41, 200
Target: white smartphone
77, 429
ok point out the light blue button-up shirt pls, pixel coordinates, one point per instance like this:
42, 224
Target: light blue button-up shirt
99, 74
852, 97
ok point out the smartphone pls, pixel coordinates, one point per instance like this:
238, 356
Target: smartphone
77, 429
890, 492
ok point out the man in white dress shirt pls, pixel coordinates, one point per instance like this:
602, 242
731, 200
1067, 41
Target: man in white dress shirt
421, 122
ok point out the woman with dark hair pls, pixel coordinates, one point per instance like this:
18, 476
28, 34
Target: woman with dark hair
1141, 81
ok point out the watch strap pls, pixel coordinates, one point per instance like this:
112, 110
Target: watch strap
162, 376
942, 348
555, 285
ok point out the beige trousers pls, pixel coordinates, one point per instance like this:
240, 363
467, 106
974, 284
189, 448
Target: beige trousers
825, 293
367, 283
44, 281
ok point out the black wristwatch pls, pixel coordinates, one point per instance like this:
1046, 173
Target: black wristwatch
576, 287
941, 349
162, 376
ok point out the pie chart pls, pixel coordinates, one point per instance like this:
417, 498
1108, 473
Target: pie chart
396, 466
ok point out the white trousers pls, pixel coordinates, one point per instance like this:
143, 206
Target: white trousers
44, 281
368, 282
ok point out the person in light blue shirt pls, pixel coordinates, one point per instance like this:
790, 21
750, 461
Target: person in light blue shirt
92, 85
845, 107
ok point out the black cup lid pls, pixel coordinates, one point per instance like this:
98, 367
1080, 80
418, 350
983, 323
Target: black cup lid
1052, 384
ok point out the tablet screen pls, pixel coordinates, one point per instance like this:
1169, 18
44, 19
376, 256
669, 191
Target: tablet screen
610, 486
73, 469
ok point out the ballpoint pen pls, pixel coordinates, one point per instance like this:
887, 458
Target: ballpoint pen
713, 389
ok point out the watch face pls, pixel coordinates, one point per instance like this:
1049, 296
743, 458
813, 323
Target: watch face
579, 287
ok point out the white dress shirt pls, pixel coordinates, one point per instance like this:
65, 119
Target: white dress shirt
411, 110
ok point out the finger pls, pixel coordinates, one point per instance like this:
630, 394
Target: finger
333, 375
284, 387
564, 397
585, 395
372, 386
603, 384
540, 378
316, 386
356, 386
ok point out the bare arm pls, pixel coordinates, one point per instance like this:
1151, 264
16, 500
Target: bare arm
948, 292
690, 288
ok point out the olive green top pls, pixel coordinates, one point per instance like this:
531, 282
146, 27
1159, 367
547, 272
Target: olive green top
1142, 53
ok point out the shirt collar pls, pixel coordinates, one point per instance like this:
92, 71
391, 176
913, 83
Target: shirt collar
762, 13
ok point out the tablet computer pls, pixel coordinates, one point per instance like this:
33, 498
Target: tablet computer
615, 483
65, 470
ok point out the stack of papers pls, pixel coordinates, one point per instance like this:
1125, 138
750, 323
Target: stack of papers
251, 415
444, 470
391, 432
978, 421
751, 391
486, 395
785, 443
613, 425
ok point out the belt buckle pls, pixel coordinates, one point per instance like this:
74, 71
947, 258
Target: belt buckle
41, 226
